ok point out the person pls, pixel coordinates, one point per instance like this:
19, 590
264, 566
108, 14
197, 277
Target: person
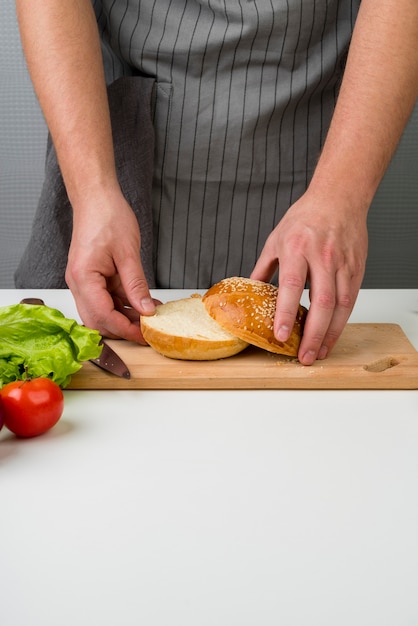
271, 125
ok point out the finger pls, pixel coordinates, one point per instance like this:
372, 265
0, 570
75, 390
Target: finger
112, 324
135, 285
266, 265
131, 313
97, 310
292, 280
133, 316
321, 311
347, 288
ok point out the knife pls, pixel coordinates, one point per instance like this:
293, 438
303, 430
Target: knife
111, 362
108, 360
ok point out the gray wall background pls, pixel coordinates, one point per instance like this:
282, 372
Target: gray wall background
393, 218
22, 147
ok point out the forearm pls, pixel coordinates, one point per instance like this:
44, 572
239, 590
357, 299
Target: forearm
62, 48
377, 96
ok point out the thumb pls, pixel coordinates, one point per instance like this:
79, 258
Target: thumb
136, 288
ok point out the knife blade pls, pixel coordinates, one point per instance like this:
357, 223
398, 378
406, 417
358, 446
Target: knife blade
108, 360
111, 362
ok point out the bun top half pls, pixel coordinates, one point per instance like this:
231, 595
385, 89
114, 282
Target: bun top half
246, 309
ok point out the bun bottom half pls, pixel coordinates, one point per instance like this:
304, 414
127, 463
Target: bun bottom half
183, 329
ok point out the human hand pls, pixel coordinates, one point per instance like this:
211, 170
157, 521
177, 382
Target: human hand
104, 270
327, 246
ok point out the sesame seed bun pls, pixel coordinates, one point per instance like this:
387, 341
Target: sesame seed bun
246, 309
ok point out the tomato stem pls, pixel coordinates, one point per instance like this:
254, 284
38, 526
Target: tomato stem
25, 375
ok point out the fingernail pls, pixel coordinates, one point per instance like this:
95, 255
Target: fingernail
309, 357
283, 333
147, 305
323, 352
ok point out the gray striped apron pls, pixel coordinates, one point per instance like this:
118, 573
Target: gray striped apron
243, 94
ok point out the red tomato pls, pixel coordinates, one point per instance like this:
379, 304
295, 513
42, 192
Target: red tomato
1, 414
31, 407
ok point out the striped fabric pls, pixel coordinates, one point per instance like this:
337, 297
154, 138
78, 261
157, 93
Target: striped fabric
244, 93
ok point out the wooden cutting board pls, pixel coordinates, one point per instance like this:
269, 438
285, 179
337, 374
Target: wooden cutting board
367, 356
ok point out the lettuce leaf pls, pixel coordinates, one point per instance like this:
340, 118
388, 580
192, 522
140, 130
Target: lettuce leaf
41, 341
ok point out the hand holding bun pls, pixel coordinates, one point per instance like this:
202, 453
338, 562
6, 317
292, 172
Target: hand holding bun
246, 308
231, 315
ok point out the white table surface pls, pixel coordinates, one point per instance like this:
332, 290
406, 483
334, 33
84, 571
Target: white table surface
216, 508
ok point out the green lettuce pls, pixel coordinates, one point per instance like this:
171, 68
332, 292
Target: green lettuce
36, 340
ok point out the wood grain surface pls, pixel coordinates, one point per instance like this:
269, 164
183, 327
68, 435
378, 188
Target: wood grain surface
367, 356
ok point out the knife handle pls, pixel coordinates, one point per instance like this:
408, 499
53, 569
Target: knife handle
32, 301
